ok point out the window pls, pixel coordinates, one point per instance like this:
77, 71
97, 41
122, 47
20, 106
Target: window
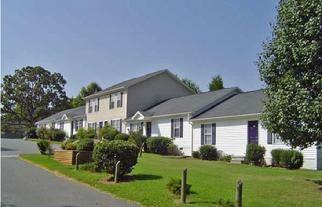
52, 124
177, 127
92, 126
78, 124
208, 134
273, 138
93, 104
116, 99
136, 127
116, 124
101, 124
61, 125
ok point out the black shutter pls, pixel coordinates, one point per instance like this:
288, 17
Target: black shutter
213, 134
110, 101
181, 127
89, 104
172, 128
269, 137
202, 134
121, 99
120, 125
98, 104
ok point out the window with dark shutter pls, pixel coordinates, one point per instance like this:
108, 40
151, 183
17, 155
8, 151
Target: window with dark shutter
172, 128
98, 104
202, 134
111, 103
181, 127
269, 137
120, 129
213, 134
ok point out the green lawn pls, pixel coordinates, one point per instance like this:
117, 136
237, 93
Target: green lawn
210, 180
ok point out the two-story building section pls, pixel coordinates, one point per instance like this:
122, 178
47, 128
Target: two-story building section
121, 101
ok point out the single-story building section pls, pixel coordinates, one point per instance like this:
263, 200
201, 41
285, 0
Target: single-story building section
69, 120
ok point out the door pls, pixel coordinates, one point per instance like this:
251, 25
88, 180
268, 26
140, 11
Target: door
148, 129
253, 132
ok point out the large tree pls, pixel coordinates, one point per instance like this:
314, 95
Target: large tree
91, 88
216, 83
291, 67
192, 85
32, 93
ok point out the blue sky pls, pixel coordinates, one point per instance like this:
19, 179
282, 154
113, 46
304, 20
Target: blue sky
110, 41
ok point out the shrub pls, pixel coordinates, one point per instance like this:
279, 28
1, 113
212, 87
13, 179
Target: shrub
208, 152
85, 134
107, 153
172, 149
226, 158
122, 136
276, 157
108, 133
158, 145
31, 132
68, 145
57, 134
43, 146
43, 133
138, 139
85, 145
196, 154
174, 186
255, 154
291, 159
225, 203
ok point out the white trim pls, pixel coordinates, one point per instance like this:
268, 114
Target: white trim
137, 114
169, 115
101, 93
225, 117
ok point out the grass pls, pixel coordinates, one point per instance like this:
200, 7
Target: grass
210, 180
51, 141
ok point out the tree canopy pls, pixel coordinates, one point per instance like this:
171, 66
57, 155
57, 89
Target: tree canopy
291, 67
192, 85
216, 83
91, 88
32, 93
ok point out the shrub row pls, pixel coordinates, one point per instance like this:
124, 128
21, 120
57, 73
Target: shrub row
162, 146
50, 134
255, 154
290, 159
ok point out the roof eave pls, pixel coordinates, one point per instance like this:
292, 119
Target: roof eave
225, 117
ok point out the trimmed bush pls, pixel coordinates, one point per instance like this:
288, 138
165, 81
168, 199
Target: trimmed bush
174, 186
85, 145
208, 152
158, 145
122, 136
276, 157
138, 139
196, 154
291, 159
107, 153
172, 149
108, 133
43, 146
255, 154
90, 166
85, 134
68, 145
31, 132
43, 133
57, 134
225, 158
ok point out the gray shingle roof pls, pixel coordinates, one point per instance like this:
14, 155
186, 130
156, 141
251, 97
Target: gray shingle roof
130, 82
241, 104
194, 104
70, 113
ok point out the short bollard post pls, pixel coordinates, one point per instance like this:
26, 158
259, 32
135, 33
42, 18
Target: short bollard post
77, 161
141, 149
239, 193
117, 169
184, 186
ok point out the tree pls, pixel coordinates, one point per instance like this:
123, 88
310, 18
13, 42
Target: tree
192, 85
32, 93
91, 88
291, 67
216, 83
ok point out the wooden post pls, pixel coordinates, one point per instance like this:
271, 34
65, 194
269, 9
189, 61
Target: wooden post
239, 192
117, 170
184, 186
77, 162
141, 149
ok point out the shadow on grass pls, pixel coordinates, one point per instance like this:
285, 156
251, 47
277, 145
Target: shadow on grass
202, 202
141, 177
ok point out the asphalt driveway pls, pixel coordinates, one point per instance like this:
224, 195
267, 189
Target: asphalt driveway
24, 185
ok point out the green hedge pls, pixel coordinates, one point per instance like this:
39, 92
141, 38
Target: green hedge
255, 154
107, 153
159, 145
108, 133
208, 152
85, 145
